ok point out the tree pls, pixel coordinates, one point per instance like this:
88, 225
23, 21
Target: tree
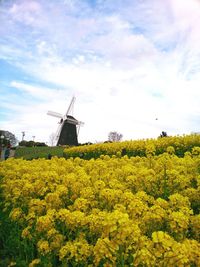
163, 134
52, 139
114, 136
8, 138
31, 143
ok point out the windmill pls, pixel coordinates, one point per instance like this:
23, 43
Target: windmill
68, 129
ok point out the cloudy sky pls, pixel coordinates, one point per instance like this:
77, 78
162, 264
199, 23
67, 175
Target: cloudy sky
127, 62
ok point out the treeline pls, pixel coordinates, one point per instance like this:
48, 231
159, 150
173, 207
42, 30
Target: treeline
31, 143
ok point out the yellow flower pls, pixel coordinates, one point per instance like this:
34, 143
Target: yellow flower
34, 263
78, 249
26, 233
193, 251
56, 242
195, 223
53, 201
177, 201
105, 249
37, 206
43, 247
16, 214
44, 223
81, 204
170, 150
162, 238
12, 263
178, 222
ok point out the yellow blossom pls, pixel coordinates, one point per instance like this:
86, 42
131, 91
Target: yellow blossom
43, 247
34, 263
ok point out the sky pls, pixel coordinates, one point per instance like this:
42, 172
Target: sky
133, 66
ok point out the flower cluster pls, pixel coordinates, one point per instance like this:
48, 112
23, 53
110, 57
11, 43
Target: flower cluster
146, 147
110, 211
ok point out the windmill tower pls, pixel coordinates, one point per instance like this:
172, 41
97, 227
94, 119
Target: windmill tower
68, 130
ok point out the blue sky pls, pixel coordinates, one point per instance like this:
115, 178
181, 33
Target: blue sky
127, 62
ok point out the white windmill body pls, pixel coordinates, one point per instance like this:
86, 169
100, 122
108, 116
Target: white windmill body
68, 129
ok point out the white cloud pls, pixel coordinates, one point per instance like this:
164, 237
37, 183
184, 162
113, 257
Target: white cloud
25, 12
126, 66
36, 91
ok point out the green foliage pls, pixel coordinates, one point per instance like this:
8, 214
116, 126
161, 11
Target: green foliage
8, 138
38, 152
31, 143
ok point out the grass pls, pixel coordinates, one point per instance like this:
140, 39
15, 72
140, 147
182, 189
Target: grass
38, 152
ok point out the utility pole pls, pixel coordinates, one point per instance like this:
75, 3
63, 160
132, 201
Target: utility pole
23, 134
1, 145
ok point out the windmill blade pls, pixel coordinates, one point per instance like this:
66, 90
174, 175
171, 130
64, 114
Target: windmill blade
71, 106
55, 114
78, 129
81, 123
59, 131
